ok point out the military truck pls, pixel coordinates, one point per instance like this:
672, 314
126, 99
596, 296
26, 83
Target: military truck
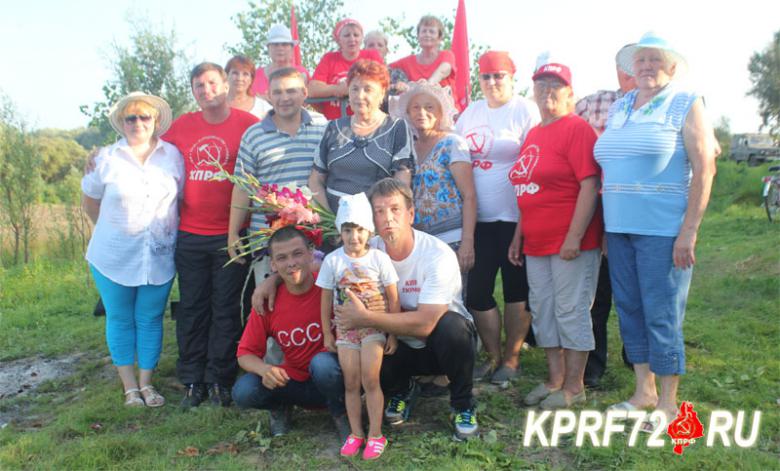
754, 149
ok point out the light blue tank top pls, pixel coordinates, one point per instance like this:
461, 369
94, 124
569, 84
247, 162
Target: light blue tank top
645, 165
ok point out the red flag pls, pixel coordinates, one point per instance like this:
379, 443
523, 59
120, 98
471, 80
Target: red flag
460, 48
294, 30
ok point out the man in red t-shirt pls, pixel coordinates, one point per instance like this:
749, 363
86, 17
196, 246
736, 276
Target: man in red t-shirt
208, 318
296, 326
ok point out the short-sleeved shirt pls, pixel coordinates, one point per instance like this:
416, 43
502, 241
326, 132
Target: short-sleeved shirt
415, 71
135, 234
494, 136
438, 203
205, 208
365, 276
646, 169
595, 108
547, 174
354, 163
429, 275
260, 84
273, 156
332, 69
295, 324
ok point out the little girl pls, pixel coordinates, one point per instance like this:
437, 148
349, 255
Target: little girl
367, 273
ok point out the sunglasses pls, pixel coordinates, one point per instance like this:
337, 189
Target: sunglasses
498, 76
132, 118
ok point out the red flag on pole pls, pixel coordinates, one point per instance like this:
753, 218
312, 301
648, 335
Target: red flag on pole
460, 48
294, 30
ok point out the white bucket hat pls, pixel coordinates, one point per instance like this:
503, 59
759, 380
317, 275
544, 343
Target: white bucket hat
355, 209
650, 40
164, 114
279, 34
398, 108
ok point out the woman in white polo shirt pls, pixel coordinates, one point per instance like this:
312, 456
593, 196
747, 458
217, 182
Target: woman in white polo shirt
132, 197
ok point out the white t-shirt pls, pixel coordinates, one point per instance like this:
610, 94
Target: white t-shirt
365, 276
429, 275
494, 136
135, 234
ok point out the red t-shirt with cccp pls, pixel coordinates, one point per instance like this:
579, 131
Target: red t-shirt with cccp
332, 69
415, 71
295, 324
552, 162
205, 208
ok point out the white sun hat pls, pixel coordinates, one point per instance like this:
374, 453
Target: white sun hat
355, 209
398, 108
164, 114
650, 40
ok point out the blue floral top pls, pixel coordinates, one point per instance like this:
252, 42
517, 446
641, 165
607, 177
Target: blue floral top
437, 201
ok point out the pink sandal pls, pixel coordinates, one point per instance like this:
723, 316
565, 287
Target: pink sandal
352, 446
374, 448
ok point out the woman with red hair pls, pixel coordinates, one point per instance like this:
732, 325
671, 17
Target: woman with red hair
357, 151
330, 76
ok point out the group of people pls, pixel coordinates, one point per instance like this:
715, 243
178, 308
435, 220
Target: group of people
430, 201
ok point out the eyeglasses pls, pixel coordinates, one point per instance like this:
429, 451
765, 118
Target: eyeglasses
497, 76
549, 84
132, 118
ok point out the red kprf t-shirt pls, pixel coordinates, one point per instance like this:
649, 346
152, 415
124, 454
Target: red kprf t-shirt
205, 208
332, 69
552, 162
416, 71
295, 324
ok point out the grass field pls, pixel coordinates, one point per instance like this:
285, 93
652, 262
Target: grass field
78, 422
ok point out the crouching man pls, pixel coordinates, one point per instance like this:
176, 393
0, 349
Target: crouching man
295, 325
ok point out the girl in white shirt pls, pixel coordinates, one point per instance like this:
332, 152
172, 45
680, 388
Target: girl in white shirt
132, 197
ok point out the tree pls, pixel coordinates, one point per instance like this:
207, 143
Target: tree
723, 135
764, 70
393, 27
316, 19
20, 180
152, 64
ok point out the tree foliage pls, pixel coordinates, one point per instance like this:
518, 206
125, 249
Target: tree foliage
723, 135
152, 63
20, 179
764, 70
316, 19
393, 27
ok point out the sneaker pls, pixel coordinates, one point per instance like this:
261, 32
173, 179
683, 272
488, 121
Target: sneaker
483, 370
195, 395
219, 395
342, 427
466, 424
280, 420
374, 448
400, 406
504, 375
352, 446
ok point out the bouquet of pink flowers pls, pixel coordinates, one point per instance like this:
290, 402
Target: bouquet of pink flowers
282, 206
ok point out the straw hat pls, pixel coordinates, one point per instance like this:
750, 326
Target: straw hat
164, 114
279, 34
625, 57
398, 108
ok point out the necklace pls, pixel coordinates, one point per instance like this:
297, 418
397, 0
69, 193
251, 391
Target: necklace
371, 124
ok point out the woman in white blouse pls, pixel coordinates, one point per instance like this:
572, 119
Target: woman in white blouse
132, 197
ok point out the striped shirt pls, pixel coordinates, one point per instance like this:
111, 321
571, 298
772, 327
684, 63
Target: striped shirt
645, 165
273, 156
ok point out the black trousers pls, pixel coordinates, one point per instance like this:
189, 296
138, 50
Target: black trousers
449, 350
208, 318
599, 313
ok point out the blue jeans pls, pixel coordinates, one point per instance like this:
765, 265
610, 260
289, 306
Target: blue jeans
650, 296
134, 320
249, 392
326, 373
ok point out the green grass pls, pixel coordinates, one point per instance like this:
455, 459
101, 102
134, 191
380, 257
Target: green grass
732, 332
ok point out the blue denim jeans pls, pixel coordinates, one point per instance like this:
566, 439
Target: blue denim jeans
650, 296
326, 374
249, 392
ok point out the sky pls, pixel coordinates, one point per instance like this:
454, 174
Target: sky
56, 53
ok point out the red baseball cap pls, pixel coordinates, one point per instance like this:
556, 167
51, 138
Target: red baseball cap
556, 70
496, 61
